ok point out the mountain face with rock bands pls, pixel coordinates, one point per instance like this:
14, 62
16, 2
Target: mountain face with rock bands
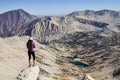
46, 29
12, 21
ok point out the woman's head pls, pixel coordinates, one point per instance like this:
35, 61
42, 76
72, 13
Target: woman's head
30, 41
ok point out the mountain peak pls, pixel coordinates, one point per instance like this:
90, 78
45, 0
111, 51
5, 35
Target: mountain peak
101, 13
16, 10
111, 13
13, 20
20, 9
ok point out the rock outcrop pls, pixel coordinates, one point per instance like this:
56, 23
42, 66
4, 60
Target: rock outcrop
116, 72
88, 77
43, 30
66, 78
30, 73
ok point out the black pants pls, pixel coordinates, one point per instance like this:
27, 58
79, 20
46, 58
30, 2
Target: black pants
31, 53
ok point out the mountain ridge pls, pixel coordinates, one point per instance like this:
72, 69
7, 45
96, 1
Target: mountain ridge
49, 28
12, 21
42, 28
75, 46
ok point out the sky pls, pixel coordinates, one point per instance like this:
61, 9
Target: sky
57, 7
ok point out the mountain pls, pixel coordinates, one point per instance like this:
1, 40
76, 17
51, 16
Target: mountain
102, 15
80, 46
48, 28
12, 21
64, 59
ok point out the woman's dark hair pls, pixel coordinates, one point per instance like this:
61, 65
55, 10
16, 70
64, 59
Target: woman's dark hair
29, 43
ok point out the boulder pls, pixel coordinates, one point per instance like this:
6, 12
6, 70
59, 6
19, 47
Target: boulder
30, 73
88, 77
66, 78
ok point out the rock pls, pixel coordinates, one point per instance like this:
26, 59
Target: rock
30, 73
66, 78
88, 77
116, 72
45, 78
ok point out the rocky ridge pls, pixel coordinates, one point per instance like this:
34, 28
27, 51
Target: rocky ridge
91, 52
49, 61
47, 29
15, 55
81, 43
12, 21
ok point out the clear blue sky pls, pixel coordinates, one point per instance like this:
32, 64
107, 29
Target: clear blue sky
57, 7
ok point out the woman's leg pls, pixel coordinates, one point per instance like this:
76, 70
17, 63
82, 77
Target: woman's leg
33, 54
29, 55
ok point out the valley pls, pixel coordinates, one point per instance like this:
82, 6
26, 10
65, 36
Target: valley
79, 46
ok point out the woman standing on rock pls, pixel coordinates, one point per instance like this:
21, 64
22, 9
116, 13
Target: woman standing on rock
30, 47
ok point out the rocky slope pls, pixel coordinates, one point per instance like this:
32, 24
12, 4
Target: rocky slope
49, 61
91, 52
47, 29
83, 42
30, 73
12, 21
71, 57
14, 58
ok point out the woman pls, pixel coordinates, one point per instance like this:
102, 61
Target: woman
30, 47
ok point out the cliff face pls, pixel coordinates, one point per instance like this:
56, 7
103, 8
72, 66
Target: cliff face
12, 21
48, 29
44, 30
